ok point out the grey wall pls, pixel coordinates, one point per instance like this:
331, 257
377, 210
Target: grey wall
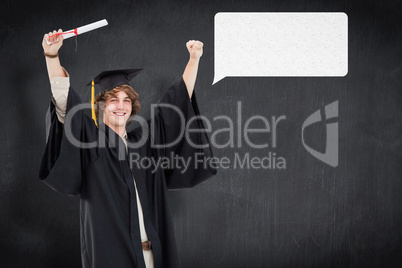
307, 215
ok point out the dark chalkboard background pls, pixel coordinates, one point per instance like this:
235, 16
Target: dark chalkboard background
307, 215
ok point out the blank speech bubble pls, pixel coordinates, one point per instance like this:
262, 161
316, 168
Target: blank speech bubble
281, 44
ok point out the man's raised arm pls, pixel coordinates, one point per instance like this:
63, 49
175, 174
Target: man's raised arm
58, 76
190, 73
51, 52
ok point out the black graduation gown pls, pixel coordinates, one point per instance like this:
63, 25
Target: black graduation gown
103, 172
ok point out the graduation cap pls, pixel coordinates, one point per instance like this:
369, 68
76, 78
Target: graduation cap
108, 80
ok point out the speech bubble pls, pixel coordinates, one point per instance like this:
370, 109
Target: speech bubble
281, 44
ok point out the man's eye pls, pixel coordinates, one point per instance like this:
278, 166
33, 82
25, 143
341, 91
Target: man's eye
113, 100
128, 101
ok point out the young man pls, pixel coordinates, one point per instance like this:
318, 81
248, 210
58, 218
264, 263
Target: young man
125, 217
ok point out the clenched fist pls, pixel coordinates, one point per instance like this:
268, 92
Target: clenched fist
55, 43
194, 47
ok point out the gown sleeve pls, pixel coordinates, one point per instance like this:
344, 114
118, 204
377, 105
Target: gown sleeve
170, 128
64, 159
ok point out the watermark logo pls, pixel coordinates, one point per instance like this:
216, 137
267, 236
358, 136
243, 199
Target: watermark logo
234, 132
330, 156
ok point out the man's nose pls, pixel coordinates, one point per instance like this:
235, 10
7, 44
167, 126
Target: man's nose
119, 105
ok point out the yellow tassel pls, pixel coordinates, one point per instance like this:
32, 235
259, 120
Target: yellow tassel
93, 102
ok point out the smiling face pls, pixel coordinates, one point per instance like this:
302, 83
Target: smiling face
118, 109
112, 106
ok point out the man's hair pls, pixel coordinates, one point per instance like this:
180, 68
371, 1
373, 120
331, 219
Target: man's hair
100, 101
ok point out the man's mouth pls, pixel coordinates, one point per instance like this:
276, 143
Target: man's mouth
119, 114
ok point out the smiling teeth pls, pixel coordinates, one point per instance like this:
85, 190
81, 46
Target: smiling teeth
119, 113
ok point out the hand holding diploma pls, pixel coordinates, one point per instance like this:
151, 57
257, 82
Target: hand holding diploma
53, 41
51, 45
80, 30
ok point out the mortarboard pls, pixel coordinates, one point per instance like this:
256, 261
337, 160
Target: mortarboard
108, 80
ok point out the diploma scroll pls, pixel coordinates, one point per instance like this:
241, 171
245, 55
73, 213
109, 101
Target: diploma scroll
81, 30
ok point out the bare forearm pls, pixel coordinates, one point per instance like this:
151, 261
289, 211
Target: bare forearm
51, 44
54, 68
190, 75
194, 48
